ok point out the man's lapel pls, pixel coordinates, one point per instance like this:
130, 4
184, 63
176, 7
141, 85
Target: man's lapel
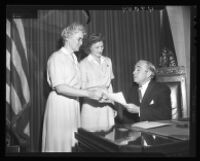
147, 93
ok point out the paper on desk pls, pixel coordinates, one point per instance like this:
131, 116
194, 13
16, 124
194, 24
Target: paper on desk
117, 97
149, 124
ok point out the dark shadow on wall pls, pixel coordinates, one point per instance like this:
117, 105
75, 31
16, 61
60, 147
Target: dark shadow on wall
59, 43
46, 91
80, 55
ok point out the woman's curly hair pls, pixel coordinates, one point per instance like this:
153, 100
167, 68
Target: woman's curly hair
71, 29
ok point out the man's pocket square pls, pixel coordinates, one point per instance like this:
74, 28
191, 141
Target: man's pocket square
152, 102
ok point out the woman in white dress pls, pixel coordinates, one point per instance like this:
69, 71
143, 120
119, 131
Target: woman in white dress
62, 113
96, 72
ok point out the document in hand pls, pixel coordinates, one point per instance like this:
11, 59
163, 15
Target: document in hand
117, 97
149, 124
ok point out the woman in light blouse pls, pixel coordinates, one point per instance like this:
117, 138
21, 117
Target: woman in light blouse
96, 72
62, 113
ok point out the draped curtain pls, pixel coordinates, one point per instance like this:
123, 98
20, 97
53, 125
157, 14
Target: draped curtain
180, 20
129, 36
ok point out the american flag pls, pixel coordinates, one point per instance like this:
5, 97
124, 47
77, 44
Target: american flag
17, 79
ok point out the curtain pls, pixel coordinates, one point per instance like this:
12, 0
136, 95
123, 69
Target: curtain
180, 23
167, 51
129, 36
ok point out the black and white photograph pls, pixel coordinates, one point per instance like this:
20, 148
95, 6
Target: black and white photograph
100, 80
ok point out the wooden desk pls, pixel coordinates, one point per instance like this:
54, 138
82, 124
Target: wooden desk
124, 139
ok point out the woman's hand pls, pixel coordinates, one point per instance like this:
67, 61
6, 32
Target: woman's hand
132, 108
100, 94
105, 98
95, 94
104, 95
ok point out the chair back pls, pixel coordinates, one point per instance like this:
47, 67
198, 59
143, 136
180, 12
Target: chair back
175, 78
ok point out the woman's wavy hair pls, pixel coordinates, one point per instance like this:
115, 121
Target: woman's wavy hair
72, 29
90, 40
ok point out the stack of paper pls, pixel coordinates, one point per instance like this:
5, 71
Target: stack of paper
117, 97
149, 124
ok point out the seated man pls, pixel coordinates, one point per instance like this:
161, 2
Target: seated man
153, 102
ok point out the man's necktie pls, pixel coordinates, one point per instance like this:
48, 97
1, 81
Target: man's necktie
140, 95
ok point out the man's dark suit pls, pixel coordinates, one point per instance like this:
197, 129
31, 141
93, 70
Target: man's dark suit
156, 102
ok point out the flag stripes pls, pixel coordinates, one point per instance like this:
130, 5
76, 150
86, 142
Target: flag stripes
8, 80
19, 60
8, 51
8, 44
18, 47
21, 66
7, 93
21, 33
17, 72
8, 113
15, 101
17, 77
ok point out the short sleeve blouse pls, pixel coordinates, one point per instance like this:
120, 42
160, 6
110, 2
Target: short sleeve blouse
63, 68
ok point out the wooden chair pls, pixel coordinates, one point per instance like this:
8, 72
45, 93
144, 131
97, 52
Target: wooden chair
174, 77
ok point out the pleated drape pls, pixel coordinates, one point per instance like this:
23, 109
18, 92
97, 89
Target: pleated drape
129, 36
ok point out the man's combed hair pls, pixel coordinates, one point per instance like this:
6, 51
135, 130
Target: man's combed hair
150, 67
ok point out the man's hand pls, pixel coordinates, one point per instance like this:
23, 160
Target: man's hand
132, 108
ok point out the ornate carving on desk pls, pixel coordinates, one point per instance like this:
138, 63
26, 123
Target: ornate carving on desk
178, 70
167, 58
175, 78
